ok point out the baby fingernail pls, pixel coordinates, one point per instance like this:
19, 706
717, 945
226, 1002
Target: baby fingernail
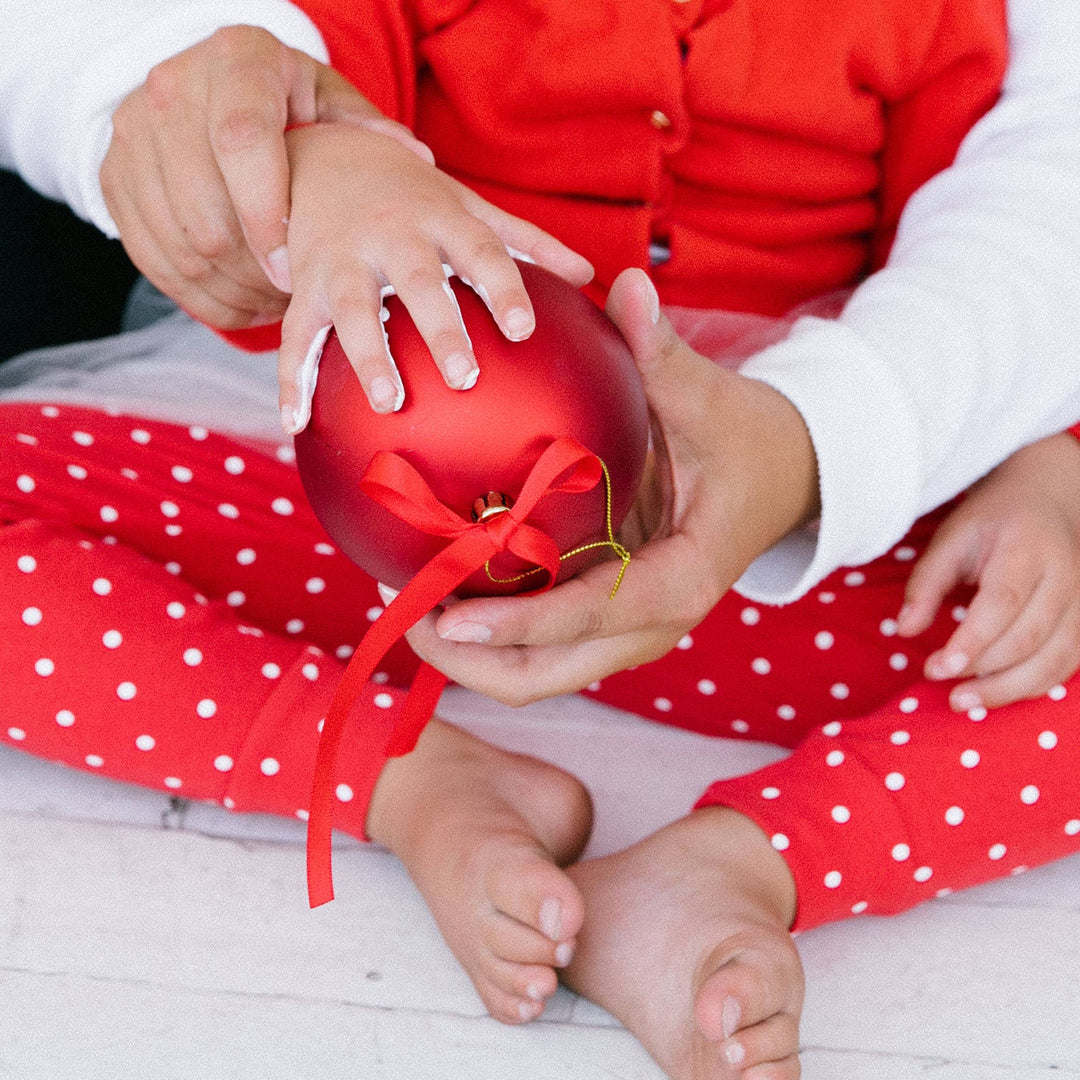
948, 667
519, 324
734, 1053
384, 394
729, 1018
965, 700
473, 633
461, 372
551, 919
277, 263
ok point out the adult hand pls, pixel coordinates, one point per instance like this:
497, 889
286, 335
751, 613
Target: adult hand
197, 175
1017, 536
734, 472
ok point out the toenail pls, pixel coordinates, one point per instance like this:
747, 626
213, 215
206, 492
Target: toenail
729, 1019
564, 953
528, 1010
551, 918
534, 993
734, 1053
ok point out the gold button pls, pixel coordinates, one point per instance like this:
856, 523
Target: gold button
659, 120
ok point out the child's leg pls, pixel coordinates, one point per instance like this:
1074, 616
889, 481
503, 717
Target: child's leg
174, 616
887, 798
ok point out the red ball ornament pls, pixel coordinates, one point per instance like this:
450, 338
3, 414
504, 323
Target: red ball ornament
572, 378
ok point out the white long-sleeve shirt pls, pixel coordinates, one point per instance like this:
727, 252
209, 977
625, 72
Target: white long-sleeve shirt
965, 347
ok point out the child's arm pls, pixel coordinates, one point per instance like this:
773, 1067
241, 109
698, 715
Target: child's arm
1017, 536
367, 212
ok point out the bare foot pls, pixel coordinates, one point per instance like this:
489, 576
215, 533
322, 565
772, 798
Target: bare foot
687, 944
483, 833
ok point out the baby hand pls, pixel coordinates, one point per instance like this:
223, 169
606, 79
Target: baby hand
1017, 537
368, 213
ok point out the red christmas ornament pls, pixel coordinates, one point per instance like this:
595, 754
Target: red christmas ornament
574, 377
503, 488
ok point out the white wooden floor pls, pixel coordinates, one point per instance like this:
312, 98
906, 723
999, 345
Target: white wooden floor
146, 939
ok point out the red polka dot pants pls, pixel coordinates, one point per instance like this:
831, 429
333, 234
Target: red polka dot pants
173, 615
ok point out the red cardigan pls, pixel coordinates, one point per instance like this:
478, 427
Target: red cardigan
770, 144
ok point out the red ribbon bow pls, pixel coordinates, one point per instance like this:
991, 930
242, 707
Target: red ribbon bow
565, 466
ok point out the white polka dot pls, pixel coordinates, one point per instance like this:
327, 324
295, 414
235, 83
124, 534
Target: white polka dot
198, 433
343, 652
315, 585
1056, 693
25, 484
193, 657
102, 586
129, 474
170, 509
206, 708
236, 598
685, 642
383, 677
269, 766
83, 438
175, 610
662, 704
895, 781
65, 718
924, 873
303, 815
977, 714
841, 815
32, 616
235, 465
786, 712
1047, 740
77, 472
126, 691
175, 782
824, 640
780, 841
310, 671
173, 530
833, 879
343, 792
109, 514
26, 440
27, 564
834, 758
182, 474
706, 687
904, 554
94, 761
112, 639
889, 627
294, 626
384, 701
51, 411
832, 728
859, 908
44, 667
997, 852
770, 793
282, 506
856, 577
954, 815
900, 738
223, 763
741, 726
146, 742
245, 556
761, 665
1072, 828
839, 690
943, 893
959, 613
826, 597
969, 759
228, 510
1029, 795
285, 453
229, 804
909, 705
1018, 870
750, 616
324, 549
898, 661
141, 436
373, 613
271, 671
16, 733
901, 852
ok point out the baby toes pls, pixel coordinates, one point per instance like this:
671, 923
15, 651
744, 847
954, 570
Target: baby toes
773, 1042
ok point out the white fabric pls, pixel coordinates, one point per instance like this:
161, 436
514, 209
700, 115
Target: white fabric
65, 65
960, 351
